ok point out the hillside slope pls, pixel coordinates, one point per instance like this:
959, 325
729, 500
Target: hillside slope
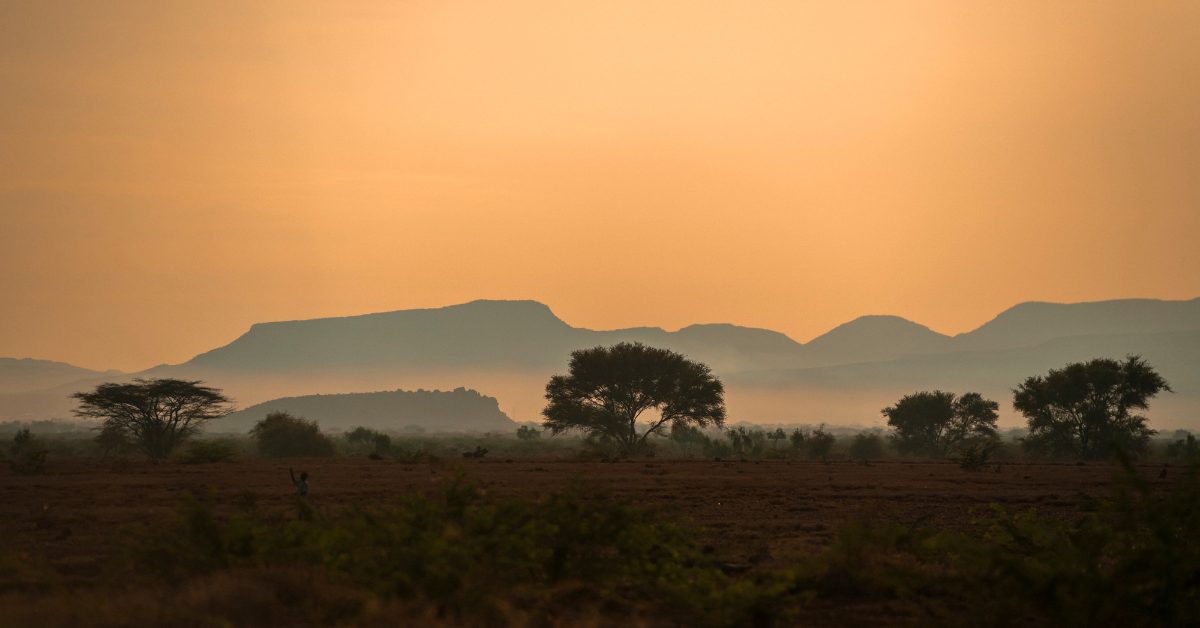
459, 410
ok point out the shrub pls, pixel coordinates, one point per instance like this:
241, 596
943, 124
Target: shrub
281, 435
114, 442
208, 451
413, 454
688, 437
1186, 449
747, 443
866, 446
445, 549
27, 456
371, 440
717, 448
819, 443
1130, 560
605, 448
526, 432
777, 437
973, 455
796, 438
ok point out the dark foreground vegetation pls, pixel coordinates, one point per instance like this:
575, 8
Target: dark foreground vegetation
465, 551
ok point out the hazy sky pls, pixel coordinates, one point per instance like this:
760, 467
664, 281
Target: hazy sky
171, 172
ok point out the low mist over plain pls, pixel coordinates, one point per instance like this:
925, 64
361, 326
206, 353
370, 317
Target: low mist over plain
508, 350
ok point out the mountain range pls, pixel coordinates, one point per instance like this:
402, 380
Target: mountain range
508, 349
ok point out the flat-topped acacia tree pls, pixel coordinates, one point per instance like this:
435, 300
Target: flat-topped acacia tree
155, 414
608, 389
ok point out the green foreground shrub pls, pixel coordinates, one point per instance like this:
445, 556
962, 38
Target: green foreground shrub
1130, 560
472, 558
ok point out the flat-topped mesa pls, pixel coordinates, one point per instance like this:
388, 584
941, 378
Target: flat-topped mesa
431, 410
510, 333
486, 335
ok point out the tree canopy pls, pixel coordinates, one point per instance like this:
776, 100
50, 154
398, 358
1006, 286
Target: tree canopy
936, 423
609, 388
281, 435
1086, 409
155, 414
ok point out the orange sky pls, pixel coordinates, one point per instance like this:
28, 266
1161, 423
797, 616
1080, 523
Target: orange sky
171, 174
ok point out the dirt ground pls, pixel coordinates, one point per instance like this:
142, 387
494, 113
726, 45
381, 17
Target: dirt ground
767, 510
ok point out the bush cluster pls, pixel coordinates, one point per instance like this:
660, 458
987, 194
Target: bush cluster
474, 559
281, 435
1129, 560
26, 454
366, 440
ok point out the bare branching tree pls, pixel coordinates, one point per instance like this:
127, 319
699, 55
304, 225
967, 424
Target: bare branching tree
156, 414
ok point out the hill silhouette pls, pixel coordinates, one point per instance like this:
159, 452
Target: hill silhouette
872, 339
509, 349
479, 334
1032, 323
27, 374
459, 410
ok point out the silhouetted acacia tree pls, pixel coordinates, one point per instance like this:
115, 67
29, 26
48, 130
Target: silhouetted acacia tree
155, 414
936, 423
1084, 409
608, 389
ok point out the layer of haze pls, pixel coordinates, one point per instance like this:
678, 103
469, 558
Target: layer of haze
171, 172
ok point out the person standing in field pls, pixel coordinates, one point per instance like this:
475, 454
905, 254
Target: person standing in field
301, 484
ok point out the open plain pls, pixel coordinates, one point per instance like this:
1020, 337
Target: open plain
764, 513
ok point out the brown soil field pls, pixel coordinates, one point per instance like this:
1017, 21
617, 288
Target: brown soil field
764, 511
68, 521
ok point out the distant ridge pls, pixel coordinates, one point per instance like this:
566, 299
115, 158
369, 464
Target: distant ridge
1034, 322
455, 335
874, 338
25, 374
478, 334
508, 349
459, 410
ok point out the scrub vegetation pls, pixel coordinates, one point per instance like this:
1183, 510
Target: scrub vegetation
943, 519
